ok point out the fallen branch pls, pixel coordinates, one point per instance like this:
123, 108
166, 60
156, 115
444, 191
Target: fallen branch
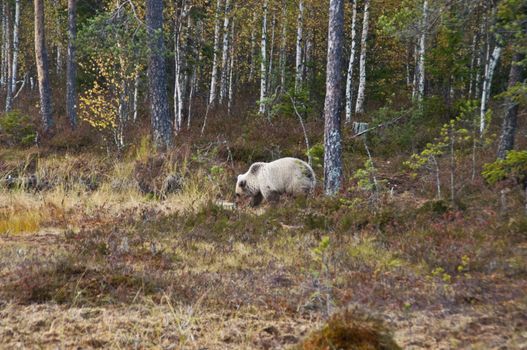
377, 126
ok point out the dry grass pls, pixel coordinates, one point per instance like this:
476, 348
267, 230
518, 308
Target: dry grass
112, 267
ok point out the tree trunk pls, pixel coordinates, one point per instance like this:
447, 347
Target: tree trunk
3, 68
14, 64
214, 75
71, 65
422, 53
487, 82
178, 64
472, 64
157, 80
359, 107
136, 96
283, 46
263, 63
270, 79
59, 61
508, 129
299, 44
225, 53
231, 72
253, 44
349, 78
308, 60
41, 59
9, 55
332, 105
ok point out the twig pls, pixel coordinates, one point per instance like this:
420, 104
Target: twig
309, 161
21, 86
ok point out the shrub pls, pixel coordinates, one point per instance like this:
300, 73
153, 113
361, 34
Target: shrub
513, 167
17, 129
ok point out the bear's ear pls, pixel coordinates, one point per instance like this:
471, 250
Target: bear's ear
255, 168
243, 183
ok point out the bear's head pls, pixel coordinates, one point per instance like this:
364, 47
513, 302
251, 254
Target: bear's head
247, 184
241, 187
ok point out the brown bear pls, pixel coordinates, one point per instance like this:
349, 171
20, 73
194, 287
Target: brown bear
267, 181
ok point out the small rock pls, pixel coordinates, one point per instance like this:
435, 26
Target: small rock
271, 330
289, 339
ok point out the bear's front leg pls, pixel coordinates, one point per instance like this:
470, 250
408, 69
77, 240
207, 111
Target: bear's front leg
256, 199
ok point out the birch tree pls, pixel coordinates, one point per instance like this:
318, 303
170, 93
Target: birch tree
9, 64
157, 81
263, 61
3, 68
225, 53
214, 74
487, 82
510, 121
422, 53
349, 76
359, 107
231, 72
283, 45
178, 66
71, 65
253, 44
332, 105
271, 55
41, 59
14, 63
299, 44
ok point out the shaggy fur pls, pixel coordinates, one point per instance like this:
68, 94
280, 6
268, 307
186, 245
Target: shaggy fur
267, 181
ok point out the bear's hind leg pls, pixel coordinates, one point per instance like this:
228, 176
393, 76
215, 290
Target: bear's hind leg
272, 197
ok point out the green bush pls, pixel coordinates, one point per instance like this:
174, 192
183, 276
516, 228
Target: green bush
17, 129
514, 166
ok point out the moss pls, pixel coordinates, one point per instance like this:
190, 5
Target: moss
350, 330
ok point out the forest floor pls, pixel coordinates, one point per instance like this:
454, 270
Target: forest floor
124, 271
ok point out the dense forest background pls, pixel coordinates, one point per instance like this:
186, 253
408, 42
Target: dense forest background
124, 124
225, 58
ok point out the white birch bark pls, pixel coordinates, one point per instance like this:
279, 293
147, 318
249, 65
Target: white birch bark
477, 79
58, 67
213, 79
349, 77
3, 68
14, 64
178, 103
359, 107
225, 53
416, 70
9, 63
179, 80
487, 82
472, 65
231, 72
308, 51
253, 44
191, 95
271, 54
263, 63
299, 43
283, 45
422, 53
135, 97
